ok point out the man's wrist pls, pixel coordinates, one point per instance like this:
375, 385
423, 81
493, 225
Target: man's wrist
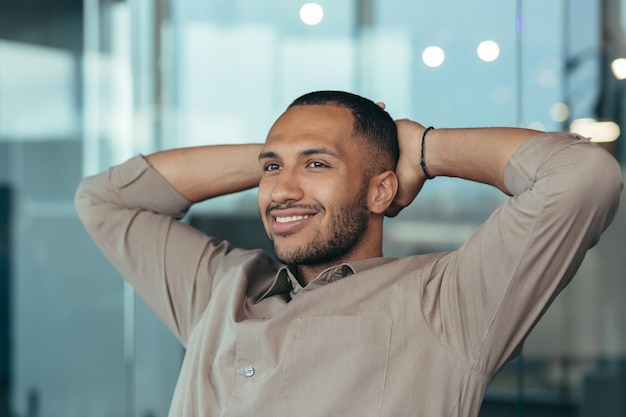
423, 154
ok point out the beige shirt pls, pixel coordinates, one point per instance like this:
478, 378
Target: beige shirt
418, 336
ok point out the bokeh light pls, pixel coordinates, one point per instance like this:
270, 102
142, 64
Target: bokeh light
433, 56
618, 67
488, 51
559, 112
311, 14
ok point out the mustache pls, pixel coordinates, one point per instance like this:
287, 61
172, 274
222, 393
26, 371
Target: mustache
313, 207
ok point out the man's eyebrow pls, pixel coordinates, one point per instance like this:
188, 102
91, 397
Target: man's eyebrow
317, 151
305, 152
268, 155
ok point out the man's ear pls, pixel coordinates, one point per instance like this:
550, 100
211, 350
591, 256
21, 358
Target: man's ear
382, 190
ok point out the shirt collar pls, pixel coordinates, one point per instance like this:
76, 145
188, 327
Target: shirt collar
285, 281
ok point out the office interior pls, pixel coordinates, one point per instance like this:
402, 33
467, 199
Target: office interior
86, 84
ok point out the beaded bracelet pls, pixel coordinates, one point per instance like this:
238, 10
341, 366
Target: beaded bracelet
422, 159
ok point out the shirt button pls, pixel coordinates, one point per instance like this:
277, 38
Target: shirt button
248, 371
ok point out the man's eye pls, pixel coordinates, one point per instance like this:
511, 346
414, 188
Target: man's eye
272, 167
317, 164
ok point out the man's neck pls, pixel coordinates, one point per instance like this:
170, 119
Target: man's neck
369, 247
307, 273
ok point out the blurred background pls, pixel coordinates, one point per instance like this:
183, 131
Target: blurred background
85, 84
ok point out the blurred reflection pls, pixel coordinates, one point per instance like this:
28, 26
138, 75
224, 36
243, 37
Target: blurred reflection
37, 81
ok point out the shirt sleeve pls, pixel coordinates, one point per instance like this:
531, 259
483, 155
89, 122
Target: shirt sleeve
483, 299
132, 213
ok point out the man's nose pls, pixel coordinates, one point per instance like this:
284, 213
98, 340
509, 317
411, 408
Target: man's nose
287, 187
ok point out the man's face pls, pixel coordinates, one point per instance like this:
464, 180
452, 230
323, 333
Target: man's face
312, 196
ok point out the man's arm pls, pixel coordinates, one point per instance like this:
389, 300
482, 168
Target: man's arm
483, 299
204, 172
476, 154
131, 212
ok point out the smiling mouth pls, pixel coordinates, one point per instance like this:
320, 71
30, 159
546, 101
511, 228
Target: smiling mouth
285, 220
283, 226
288, 219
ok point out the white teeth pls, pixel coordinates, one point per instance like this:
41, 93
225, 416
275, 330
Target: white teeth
290, 219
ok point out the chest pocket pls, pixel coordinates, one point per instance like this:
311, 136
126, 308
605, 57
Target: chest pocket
335, 366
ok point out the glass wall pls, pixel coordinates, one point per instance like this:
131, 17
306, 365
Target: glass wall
85, 84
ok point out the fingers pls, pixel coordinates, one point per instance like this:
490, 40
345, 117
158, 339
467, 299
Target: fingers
392, 211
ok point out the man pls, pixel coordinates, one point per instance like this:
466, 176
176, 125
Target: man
335, 328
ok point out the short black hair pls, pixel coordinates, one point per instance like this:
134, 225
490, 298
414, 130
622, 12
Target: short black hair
371, 123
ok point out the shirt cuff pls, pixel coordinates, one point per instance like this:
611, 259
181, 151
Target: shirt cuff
142, 186
521, 171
